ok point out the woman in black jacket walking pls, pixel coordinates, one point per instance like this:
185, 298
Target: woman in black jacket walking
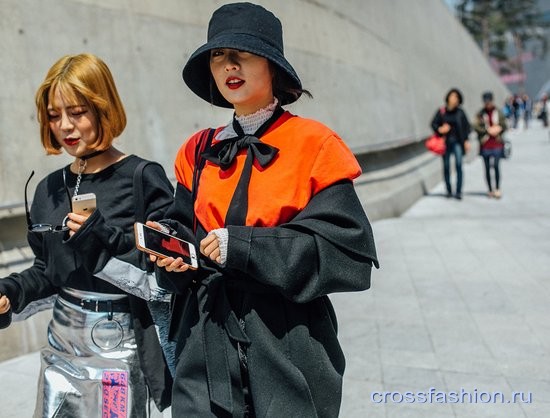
270, 201
451, 122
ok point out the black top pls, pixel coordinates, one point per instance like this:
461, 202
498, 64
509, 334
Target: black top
108, 233
456, 118
63, 261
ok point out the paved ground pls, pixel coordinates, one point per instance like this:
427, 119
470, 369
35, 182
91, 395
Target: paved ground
461, 304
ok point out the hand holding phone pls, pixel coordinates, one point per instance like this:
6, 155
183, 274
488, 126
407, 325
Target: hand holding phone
82, 206
162, 245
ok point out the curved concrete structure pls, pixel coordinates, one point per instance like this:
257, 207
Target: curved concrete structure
378, 70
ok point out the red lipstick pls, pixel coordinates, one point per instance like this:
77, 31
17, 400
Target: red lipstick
71, 141
234, 82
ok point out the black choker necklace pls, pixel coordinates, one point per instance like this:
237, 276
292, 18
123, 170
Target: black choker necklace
92, 155
82, 166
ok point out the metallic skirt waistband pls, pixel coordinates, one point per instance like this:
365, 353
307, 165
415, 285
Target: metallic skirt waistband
85, 294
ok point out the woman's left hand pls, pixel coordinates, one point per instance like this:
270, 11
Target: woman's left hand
466, 147
210, 247
75, 222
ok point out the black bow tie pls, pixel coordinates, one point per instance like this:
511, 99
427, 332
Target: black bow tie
223, 154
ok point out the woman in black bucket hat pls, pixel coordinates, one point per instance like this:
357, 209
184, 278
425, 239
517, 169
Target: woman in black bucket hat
269, 200
244, 27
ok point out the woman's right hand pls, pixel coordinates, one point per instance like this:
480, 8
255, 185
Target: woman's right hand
4, 304
444, 129
169, 263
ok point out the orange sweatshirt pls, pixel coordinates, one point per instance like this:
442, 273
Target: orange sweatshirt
311, 157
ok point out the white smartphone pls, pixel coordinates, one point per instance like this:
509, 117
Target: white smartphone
84, 204
163, 245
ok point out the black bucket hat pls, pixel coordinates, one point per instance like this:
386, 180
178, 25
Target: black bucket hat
246, 27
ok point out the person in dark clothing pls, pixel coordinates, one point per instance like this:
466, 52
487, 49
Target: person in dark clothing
516, 110
526, 109
103, 354
270, 202
543, 110
490, 126
451, 122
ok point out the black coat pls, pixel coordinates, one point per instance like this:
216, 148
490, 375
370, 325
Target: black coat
270, 301
460, 127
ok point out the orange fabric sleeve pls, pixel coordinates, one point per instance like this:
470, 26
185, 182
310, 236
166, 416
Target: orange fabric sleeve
333, 163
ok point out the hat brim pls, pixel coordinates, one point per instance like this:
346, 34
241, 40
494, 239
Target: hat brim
197, 76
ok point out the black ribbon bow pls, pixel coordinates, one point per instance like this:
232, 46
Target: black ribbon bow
223, 154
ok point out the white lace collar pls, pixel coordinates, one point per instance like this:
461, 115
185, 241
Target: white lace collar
249, 123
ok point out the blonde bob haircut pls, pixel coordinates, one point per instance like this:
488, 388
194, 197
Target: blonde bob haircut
82, 79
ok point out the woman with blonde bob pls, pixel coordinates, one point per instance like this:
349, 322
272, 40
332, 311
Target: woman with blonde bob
103, 355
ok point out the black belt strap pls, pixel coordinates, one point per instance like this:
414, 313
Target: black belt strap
95, 305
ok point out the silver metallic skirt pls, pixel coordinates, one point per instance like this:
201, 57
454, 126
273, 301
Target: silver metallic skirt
90, 366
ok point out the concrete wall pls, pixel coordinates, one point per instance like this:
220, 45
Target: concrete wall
377, 69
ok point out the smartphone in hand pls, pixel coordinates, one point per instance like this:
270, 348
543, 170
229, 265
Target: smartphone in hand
84, 204
152, 241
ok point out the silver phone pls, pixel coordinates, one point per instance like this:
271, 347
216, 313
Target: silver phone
84, 204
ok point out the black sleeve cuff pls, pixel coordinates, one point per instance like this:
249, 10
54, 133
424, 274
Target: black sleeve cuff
92, 242
5, 319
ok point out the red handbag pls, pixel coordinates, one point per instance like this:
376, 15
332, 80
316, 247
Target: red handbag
436, 144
